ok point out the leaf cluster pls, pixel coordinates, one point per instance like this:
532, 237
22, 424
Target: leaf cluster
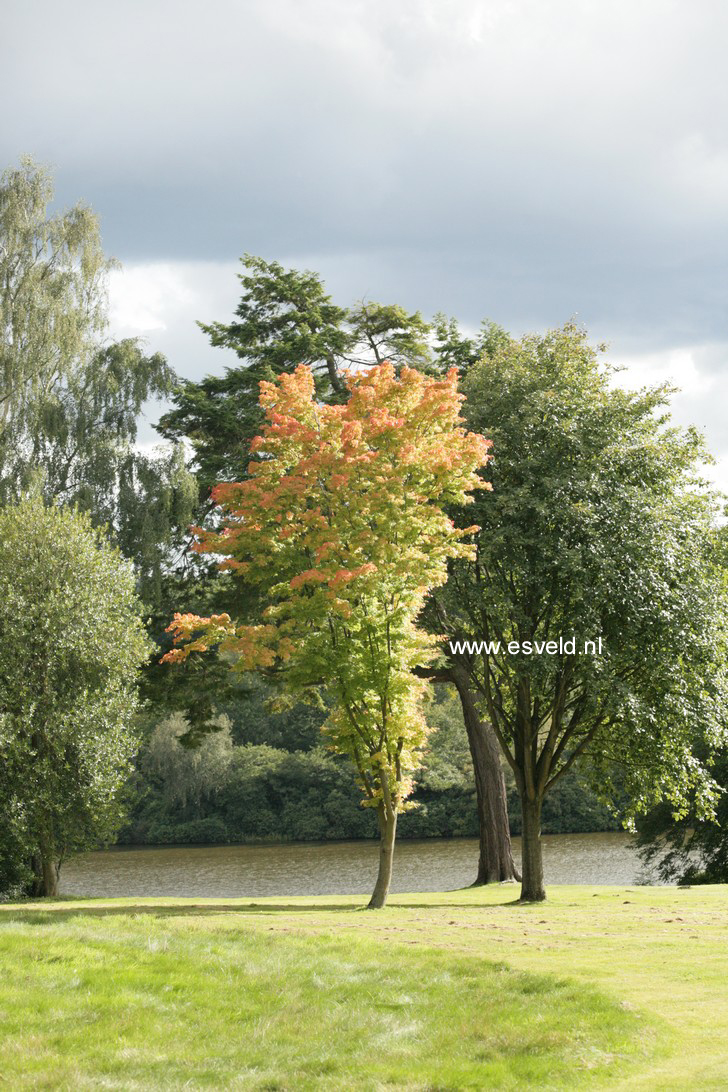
71, 644
341, 524
598, 525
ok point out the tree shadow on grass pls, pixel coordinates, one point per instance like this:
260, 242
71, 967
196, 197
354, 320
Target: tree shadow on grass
39, 915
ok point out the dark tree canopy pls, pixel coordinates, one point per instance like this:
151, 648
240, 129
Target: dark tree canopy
689, 847
285, 318
598, 526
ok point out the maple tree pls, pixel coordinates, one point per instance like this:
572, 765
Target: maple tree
285, 317
341, 528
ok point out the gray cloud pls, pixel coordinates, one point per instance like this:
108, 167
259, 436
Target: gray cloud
531, 159
510, 158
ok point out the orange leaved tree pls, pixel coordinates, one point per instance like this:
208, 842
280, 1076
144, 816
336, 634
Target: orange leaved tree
341, 529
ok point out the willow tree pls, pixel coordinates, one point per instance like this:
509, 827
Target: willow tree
52, 299
341, 527
70, 399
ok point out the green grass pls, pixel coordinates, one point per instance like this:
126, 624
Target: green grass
597, 988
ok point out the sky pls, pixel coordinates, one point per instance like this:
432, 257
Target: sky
528, 161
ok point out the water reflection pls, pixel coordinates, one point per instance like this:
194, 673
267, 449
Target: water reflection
331, 868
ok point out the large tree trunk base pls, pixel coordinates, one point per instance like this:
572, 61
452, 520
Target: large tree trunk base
485, 883
495, 864
50, 879
45, 877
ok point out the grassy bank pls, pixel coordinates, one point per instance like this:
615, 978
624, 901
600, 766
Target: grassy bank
599, 987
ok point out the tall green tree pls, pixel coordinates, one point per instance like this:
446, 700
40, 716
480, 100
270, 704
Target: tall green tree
285, 318
52, 296
71, 643
382, 332
454, 349
598, 528
342, 527
70, 401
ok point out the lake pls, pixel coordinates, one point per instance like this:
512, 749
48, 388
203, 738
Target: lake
253, 871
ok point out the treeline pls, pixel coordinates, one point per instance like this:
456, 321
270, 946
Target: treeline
267, 777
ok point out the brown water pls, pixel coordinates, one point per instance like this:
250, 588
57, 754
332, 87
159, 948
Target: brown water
437, 864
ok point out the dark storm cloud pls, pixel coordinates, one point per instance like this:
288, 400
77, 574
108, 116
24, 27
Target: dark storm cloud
535, 160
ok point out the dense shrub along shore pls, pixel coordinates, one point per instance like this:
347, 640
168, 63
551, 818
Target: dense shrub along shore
235, 787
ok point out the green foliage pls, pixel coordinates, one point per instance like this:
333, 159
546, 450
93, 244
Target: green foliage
219, 792
689, 849
254, 719
382, 332
285, 318
266, 776
447, 763
70, 403
571, 807
189, 776
71, 642
598, 526
52, 282
453, 349
15, 864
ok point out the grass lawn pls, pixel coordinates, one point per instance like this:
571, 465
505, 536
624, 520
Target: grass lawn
598, 987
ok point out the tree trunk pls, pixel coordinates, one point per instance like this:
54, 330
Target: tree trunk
45, 868
50, 878
532, 889
388, 829
338, 385
35, 888
495, 863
